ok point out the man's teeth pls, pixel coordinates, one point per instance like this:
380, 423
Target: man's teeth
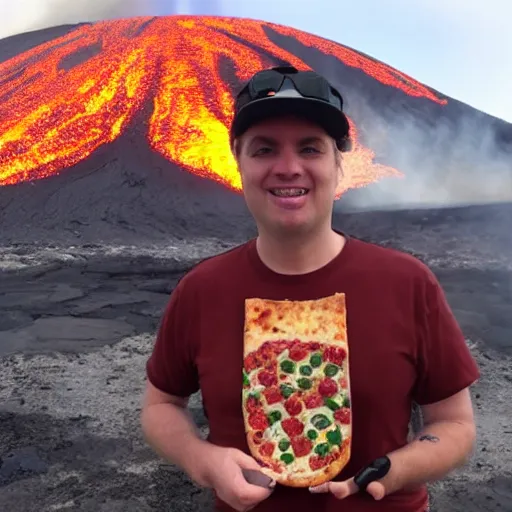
289, 192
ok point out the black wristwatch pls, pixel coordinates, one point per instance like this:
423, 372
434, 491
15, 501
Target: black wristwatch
374, 471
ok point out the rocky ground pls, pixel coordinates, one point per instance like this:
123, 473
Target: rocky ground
77, 325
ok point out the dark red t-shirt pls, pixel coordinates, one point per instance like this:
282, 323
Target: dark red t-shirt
404, 345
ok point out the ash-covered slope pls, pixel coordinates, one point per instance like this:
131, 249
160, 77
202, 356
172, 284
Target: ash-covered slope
129, 184
123, 194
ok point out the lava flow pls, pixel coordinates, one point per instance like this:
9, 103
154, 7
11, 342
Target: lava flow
52, 116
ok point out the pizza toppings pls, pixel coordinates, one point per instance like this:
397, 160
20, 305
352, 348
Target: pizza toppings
286, 390
306, 370
312, 434
315, 360
267, 449
252, 404
293, 406
318, 461
257, 437
287, 366
331, 370
267, 378
320, 421
284, 444
292, 426
335, 355
250, 363
304, 383
258, 420
328, 387
274, 417
301, 446
332, 404
334, 436
313, 400
343, 415
272, 395
322, 449
287, 458
297, 404
298, 353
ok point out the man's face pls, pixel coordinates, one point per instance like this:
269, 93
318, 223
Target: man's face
289, 175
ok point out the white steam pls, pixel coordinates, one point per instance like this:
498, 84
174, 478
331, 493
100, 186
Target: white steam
26, 15
447, 163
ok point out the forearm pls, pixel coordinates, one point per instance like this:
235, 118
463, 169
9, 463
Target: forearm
422, 461
172, 434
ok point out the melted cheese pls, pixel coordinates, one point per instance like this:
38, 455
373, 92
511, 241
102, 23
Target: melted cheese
276, 432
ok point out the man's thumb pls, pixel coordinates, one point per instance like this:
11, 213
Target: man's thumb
252, 471
245, 461
376, 490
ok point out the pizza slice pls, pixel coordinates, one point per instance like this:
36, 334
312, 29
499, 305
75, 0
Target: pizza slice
296, 388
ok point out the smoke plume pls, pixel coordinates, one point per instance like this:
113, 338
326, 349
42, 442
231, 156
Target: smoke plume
19, 17
452, 163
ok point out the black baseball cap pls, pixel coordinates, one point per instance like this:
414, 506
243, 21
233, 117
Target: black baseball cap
284, 90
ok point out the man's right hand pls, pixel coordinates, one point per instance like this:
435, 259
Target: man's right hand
223, 473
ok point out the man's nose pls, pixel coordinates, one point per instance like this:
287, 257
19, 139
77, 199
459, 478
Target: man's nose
287, 165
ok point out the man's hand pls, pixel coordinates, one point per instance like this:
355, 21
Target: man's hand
223, 473
344, 489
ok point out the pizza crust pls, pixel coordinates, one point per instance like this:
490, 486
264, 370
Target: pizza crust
268, 320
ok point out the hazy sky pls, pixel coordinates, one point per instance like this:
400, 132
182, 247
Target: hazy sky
462, 48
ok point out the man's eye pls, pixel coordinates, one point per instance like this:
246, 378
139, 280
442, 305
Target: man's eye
262, 151
310, 149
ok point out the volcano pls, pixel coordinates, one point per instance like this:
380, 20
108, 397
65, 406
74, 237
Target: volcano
116, 177
118, 130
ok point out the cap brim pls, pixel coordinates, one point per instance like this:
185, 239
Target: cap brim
332, 120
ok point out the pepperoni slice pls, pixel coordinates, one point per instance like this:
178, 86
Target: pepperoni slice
293, 406
342, 415
267, 378
298, 353
252, 404
267, 449
301, 446
257, 437
316, 462
292, 426
272, 395
313, 400
250, 363
257, 420
328, 387
266, 352
335, 355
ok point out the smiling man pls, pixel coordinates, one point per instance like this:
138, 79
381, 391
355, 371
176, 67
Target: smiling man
288, 136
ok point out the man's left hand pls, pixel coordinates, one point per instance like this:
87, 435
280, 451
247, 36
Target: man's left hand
344, 489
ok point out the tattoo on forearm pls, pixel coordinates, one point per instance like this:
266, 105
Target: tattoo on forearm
428, 437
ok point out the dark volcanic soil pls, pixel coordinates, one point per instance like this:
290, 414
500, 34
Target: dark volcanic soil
77, 325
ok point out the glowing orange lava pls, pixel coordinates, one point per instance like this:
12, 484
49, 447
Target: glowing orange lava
53, 116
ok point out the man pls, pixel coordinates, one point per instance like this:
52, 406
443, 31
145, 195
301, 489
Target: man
288, 135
